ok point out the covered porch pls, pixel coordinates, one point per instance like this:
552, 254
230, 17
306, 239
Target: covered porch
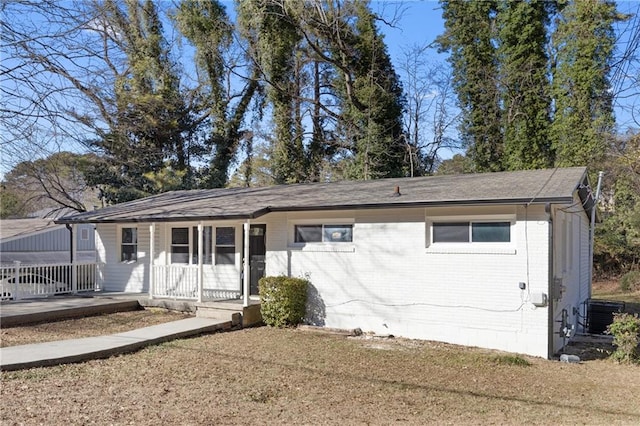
205, 261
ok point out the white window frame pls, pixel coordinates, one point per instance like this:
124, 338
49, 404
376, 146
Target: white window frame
84, 234
121, 243
322, 246
471, 247
216, 246
193, 232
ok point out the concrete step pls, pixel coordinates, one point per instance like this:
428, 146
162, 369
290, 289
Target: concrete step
219, 313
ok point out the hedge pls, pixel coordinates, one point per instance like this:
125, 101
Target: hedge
283, 300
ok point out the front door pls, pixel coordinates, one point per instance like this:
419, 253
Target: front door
257, 252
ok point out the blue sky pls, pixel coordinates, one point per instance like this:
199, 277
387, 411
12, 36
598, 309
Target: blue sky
419, 22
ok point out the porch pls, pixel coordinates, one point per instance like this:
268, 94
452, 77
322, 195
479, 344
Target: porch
180, 286
34, 310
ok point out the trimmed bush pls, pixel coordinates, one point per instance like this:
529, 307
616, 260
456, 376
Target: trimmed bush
626, 335
283, 300
630, 281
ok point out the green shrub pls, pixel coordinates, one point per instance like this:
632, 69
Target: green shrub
630, 281
511, 360
626, 335
283, 300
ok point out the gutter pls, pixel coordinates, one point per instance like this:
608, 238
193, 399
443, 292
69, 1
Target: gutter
269, 209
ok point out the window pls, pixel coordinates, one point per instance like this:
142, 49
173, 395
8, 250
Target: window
474, 232
207, 233
129, 245
323, 233
184, 245
84, 234
225, 246
180, 245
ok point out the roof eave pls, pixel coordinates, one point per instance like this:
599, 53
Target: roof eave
149, 219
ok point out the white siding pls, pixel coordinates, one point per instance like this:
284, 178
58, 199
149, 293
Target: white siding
122, 276
571, 269
389, 282
50, 246
134, 277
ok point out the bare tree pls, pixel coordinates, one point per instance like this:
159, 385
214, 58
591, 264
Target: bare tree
625, 69
431, 116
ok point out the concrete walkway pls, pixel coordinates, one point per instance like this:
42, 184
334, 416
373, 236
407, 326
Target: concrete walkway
79, 350
31, 311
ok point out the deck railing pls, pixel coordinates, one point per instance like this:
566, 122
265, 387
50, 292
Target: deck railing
181, 282
25, 281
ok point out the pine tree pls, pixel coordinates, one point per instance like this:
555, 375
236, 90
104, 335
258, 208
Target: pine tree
373, 113
525, 85
470, 38
273, 36
207, 26
583, 118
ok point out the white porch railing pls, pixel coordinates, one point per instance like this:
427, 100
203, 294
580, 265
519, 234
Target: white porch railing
24, 281
181, 282
175, 281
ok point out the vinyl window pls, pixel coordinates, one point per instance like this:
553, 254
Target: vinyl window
471, 232
318, 233
225, 245
129, 245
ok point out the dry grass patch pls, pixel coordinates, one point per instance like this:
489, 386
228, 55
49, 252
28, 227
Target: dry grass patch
610, 290
86, 327
270, 376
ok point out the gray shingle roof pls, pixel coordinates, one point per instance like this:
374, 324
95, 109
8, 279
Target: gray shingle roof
529, 186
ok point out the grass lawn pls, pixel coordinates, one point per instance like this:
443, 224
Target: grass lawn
269, 376
610, 290
86, 327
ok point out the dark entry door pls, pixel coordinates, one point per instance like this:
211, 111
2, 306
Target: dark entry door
257, 252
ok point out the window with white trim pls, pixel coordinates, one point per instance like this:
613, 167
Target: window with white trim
225, 245
180, 245
84, 234
471, 232
184, 245
323, 233
129, 245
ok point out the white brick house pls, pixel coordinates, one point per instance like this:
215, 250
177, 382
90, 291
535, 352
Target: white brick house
498, 260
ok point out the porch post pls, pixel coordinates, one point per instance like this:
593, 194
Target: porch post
16, 280
74, 258
200, 252
152, 254
247, 271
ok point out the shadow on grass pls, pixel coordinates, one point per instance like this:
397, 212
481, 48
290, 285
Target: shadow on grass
365, 380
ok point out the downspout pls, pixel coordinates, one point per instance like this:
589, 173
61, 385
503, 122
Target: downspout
592, 230
550, 322
70, 228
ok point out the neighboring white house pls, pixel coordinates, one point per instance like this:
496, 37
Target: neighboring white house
42, 241
497, 260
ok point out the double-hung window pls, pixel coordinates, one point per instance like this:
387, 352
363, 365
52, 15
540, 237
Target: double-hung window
472, 232
180, 245
318, 233
184, 245
129, 245
225, 245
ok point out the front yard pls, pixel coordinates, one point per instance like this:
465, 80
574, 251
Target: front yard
269, 376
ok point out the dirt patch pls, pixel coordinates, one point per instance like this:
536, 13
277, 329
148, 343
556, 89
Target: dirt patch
268, 376
86, 327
